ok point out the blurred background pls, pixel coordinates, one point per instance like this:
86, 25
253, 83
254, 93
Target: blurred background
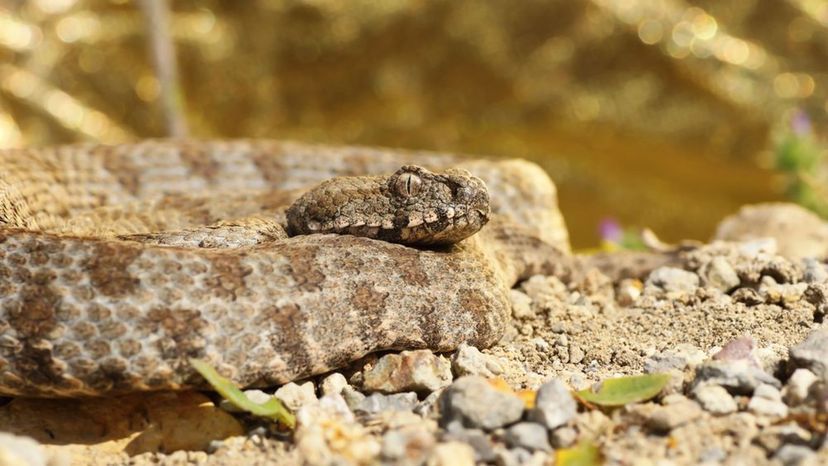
667, 114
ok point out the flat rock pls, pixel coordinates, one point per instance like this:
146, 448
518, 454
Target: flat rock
474, 402
671, 279
420, 371
468, 360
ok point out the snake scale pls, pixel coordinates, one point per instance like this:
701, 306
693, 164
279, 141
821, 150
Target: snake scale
118, 263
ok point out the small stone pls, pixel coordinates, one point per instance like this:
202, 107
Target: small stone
333, 384
377, 402
767, 401
715, 399
740, 377
256, 396
814, 271
719, 274
768, 392
521, 305
672, 279
408, 446
474, 402
563, 437
529, 435
468, 360
576, 354
420, 371
476, 438
352, 396
428, 407
513, 457
554, 405
680, 358
799, 386
451, 454
668, 417
628, 291
294, 396
793, 455
812, 353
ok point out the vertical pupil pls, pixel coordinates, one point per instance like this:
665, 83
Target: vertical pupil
408, 184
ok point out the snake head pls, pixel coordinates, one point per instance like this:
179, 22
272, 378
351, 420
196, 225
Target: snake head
413, 206
436, 208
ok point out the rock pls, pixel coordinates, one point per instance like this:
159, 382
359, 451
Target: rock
428, 407
715, 399
352, 396
294, 396
669, 416
671, 279
256, 396
814, 271
719, 274
17, 450
333, 384
326, 433
793, 455
773, 437
468, 360
407, 446
513, 457
554, 405
529, 435
628, 291
420, 371
451, 454
476, 438
784, 294
563, 437
377, 402
521, 305
474, 402
767, 401
797, 231
739, 377
799, 386
681, 357
738, 349
812, 353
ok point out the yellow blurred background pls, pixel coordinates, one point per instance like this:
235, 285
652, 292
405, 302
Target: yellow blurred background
656, 113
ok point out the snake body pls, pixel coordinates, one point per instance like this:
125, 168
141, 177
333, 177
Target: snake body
119, 263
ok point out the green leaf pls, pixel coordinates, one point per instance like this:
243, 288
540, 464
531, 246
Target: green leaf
625, 390
585, 453
273, 408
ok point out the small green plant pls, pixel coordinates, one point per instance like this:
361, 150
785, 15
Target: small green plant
273, 409
625, 390
801, 158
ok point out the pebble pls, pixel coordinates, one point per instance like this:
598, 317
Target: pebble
793, 455
513, 457
563, 437
468, 360
529, 435
476, 438
799, 386
672, 279
420, 371
554, 405
256, 396
352, 396
814, 271
715, 399
767, 401
740, 377
451, 454
408, 446
377, 402
474, 402
667, 417
628, 291
681, 357
294, 396
719, 274
812, 353
333, 384
428, 407
521, 305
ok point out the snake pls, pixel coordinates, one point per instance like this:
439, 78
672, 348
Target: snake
273, 261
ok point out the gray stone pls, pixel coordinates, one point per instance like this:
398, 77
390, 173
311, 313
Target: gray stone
812, 353
799, 386
554, 405
671, 279
814, 271
667, 417
793, 455
407, 446
474, 402
428, 408
333, 384
513, 457
767, 401
529, 435
294, 396
420, 371
476, 438
352, 396
719, 274
739, 377
715, 399
377, 402
563, 437
468, 360
680, 358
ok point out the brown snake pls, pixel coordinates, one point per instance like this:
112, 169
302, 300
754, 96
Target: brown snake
118, 263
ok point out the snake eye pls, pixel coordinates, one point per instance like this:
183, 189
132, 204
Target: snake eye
408, 184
